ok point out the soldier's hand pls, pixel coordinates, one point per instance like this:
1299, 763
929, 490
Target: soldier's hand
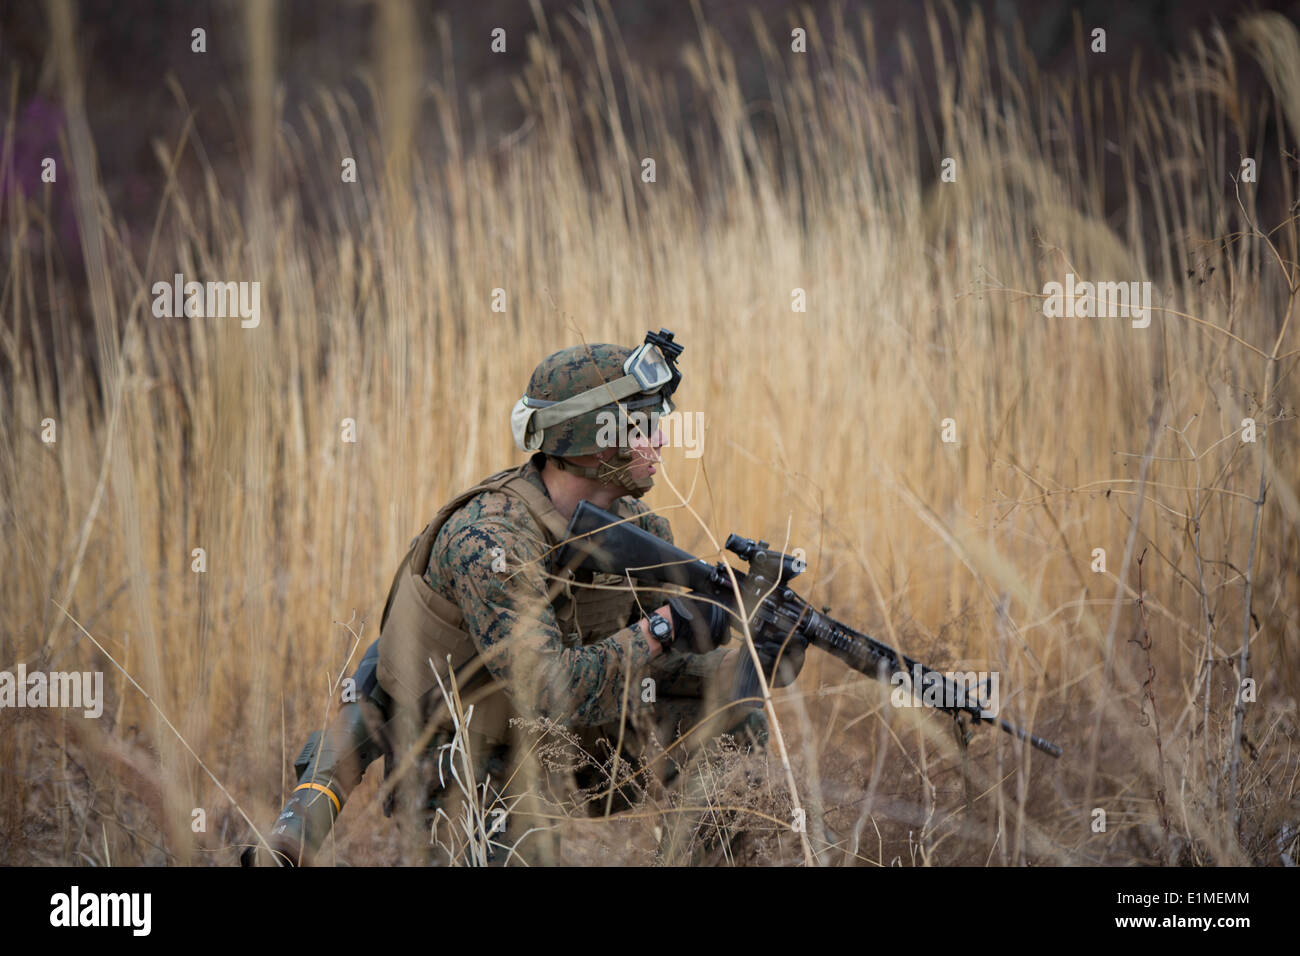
698, 626
784, 653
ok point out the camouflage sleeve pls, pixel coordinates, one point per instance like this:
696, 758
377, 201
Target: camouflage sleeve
656, 524
512, 623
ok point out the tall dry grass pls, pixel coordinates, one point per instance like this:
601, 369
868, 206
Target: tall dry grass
823, 427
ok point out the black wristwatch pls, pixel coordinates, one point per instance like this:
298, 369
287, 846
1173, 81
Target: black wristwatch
661, 629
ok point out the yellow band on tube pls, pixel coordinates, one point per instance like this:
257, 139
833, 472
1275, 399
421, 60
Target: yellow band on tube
338, 807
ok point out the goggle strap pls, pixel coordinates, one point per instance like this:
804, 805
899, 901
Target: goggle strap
588, 401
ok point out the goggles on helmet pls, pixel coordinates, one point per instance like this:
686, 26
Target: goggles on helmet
649, 367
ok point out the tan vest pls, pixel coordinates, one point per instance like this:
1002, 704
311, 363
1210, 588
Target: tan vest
420, 625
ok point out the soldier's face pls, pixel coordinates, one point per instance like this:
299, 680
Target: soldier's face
636, 465
645, 452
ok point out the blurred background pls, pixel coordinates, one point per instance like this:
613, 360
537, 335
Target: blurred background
775, 171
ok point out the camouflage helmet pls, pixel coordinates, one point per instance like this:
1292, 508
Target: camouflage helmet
573, 392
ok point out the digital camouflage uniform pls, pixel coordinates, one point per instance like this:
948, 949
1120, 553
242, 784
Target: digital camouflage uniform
565, 658
480, 599
578, 674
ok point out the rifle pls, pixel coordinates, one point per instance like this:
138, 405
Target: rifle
602, 542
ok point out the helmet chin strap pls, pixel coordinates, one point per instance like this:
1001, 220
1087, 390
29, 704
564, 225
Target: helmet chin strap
608, 473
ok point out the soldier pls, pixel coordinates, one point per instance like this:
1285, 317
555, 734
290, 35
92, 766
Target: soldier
478, 601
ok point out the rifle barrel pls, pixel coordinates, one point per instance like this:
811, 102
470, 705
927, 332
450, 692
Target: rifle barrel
868, 656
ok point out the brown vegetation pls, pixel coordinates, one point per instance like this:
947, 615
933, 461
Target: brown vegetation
924, 304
